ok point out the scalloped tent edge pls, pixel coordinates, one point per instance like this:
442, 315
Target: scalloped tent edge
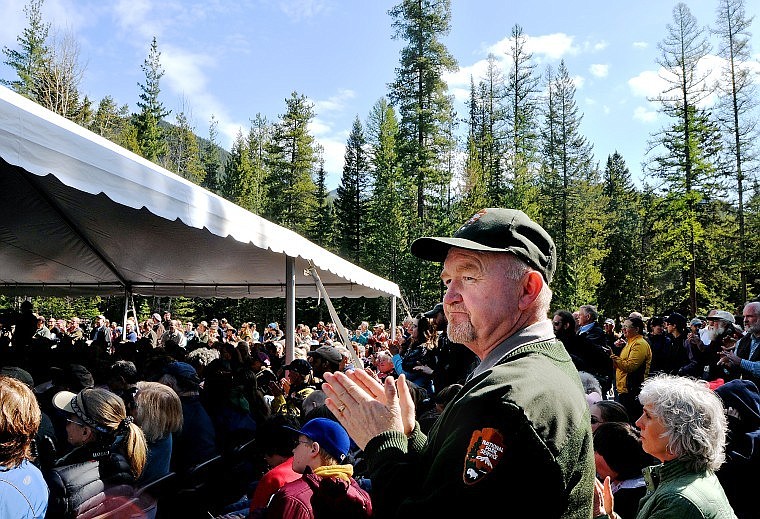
80, 215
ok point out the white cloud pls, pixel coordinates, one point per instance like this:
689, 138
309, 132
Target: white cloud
334, 151
606, 109
184, 69
550, 46
599, 70
640, 45
332, 140
302, 9
134, 17
459, 80
553, 46
319, 127
598, 46
62, 15
579, 81
645, 115
650, 83
647, 84
336, 103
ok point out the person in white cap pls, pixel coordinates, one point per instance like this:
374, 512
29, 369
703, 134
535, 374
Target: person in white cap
109, 455
744, 360
720, 326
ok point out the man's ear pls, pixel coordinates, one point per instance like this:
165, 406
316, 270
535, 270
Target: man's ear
87, 432
532, 284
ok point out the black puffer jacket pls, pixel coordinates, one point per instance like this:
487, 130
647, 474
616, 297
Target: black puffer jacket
87, 482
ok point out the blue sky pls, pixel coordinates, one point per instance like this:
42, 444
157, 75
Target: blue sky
237, 59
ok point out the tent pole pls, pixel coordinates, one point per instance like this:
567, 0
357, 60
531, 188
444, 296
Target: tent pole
290, 308
393, 317
357, 362
127, 295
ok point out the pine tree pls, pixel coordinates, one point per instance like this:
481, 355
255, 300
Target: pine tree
493, 132
737, 109
682, 153
211, 158
183, 153
425, 108
568, 184
291, 160
323, 220
521, 101
150, 136
29, 61
238, 174
351, 201
622, 263
388, 213
419, 91
259, 137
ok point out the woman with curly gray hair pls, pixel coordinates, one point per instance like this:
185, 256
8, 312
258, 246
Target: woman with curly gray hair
684, 426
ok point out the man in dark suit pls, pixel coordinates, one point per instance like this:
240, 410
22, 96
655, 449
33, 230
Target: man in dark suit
746, 359
594, 348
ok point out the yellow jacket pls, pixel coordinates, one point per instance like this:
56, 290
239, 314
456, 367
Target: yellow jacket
635, 353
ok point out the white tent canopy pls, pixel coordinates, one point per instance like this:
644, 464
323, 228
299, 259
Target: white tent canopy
80, 215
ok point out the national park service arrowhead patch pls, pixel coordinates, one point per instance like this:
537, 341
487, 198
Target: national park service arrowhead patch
484, 453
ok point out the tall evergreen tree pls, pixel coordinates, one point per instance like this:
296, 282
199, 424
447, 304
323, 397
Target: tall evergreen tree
110, 119
259, 137
621, 266
682, 153
567, 185
211, 158
324, 217
351, 200
737, 110
238, 174
424, 106
493, 133
150, 136
291, 160
388, 213
419, 91
183, 153
521, 100
29, 60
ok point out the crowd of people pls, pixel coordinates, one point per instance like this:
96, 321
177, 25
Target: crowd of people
487, 394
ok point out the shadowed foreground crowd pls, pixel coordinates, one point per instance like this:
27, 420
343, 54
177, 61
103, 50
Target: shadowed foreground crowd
480, 400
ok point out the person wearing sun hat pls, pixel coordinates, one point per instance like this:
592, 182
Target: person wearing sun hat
108, 456
519, 430
291, 390
327, 488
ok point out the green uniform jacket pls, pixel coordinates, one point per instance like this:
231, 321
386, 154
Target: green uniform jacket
516, 441
674, 491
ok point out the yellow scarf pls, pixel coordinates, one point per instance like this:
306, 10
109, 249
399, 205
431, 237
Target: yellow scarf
335, 471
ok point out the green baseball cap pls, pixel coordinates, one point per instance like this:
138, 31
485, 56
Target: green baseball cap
496, 229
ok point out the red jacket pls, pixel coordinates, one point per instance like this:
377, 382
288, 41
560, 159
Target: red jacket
271, 482
315, 497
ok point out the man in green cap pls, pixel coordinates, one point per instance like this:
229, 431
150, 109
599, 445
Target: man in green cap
518, 433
